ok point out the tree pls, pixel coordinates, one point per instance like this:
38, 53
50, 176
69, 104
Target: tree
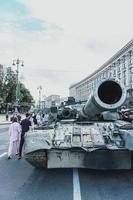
1, 82
8, 90
26, 100
25, 95
9, 86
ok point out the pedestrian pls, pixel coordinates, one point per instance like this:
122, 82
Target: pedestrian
34, 119
14, 131
19, 117
25, 126
14, 115
7, 116
32, 122
46, 119
38, 117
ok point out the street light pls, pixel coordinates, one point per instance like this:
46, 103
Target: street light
16, 63
39, 88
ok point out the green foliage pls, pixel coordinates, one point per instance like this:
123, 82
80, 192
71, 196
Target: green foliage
8, 89
9, 86
25, 95
1, 82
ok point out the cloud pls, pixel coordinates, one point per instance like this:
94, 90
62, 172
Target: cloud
84, 17
13, 6
52, 81
62, 41
16, 16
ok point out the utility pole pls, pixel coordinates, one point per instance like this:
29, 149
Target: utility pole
16, 63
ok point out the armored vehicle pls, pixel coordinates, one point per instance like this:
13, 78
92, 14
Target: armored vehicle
97, 138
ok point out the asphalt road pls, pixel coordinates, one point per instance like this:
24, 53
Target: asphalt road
4, 138
20, 181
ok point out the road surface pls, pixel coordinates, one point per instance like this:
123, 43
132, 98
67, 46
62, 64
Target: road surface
20, 181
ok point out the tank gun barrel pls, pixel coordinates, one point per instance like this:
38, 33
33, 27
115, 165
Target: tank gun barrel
108, 96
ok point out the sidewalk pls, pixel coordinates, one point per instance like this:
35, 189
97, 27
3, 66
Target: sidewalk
3, 119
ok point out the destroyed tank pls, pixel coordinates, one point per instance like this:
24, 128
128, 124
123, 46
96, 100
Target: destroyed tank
97, 138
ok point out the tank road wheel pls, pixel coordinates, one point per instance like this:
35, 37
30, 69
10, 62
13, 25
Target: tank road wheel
37, 159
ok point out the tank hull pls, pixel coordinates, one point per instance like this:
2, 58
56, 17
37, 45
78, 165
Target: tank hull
100, 159
91, 145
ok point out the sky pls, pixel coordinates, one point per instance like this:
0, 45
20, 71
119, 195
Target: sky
62, 41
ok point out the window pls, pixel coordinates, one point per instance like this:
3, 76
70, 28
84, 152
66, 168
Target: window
130, 58
124, 81
130, 79
119, 76
118, 70
131, 70
114, 74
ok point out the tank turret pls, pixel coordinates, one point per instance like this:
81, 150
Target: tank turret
108, 96
67, 112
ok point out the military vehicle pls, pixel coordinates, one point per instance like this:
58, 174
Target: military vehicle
97, 138
67, 112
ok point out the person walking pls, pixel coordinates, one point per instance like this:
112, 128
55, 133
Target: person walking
34, 119
7, 116
19, 117
38, 117
14, 131
46, 119
25, 126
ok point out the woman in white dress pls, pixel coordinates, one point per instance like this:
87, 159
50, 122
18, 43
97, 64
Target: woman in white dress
14, 131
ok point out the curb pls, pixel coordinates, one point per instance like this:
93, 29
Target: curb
4, 123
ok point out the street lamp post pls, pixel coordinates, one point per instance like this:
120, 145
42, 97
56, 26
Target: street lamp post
16, 63
39, 88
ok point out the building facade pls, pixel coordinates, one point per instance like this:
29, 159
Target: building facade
119, 66
52, 100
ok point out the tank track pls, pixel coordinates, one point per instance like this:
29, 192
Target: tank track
38, 158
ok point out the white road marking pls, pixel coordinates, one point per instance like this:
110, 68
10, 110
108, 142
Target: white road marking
76, 185
3, 154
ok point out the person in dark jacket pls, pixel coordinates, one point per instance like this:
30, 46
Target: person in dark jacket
25, 126
34, 119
